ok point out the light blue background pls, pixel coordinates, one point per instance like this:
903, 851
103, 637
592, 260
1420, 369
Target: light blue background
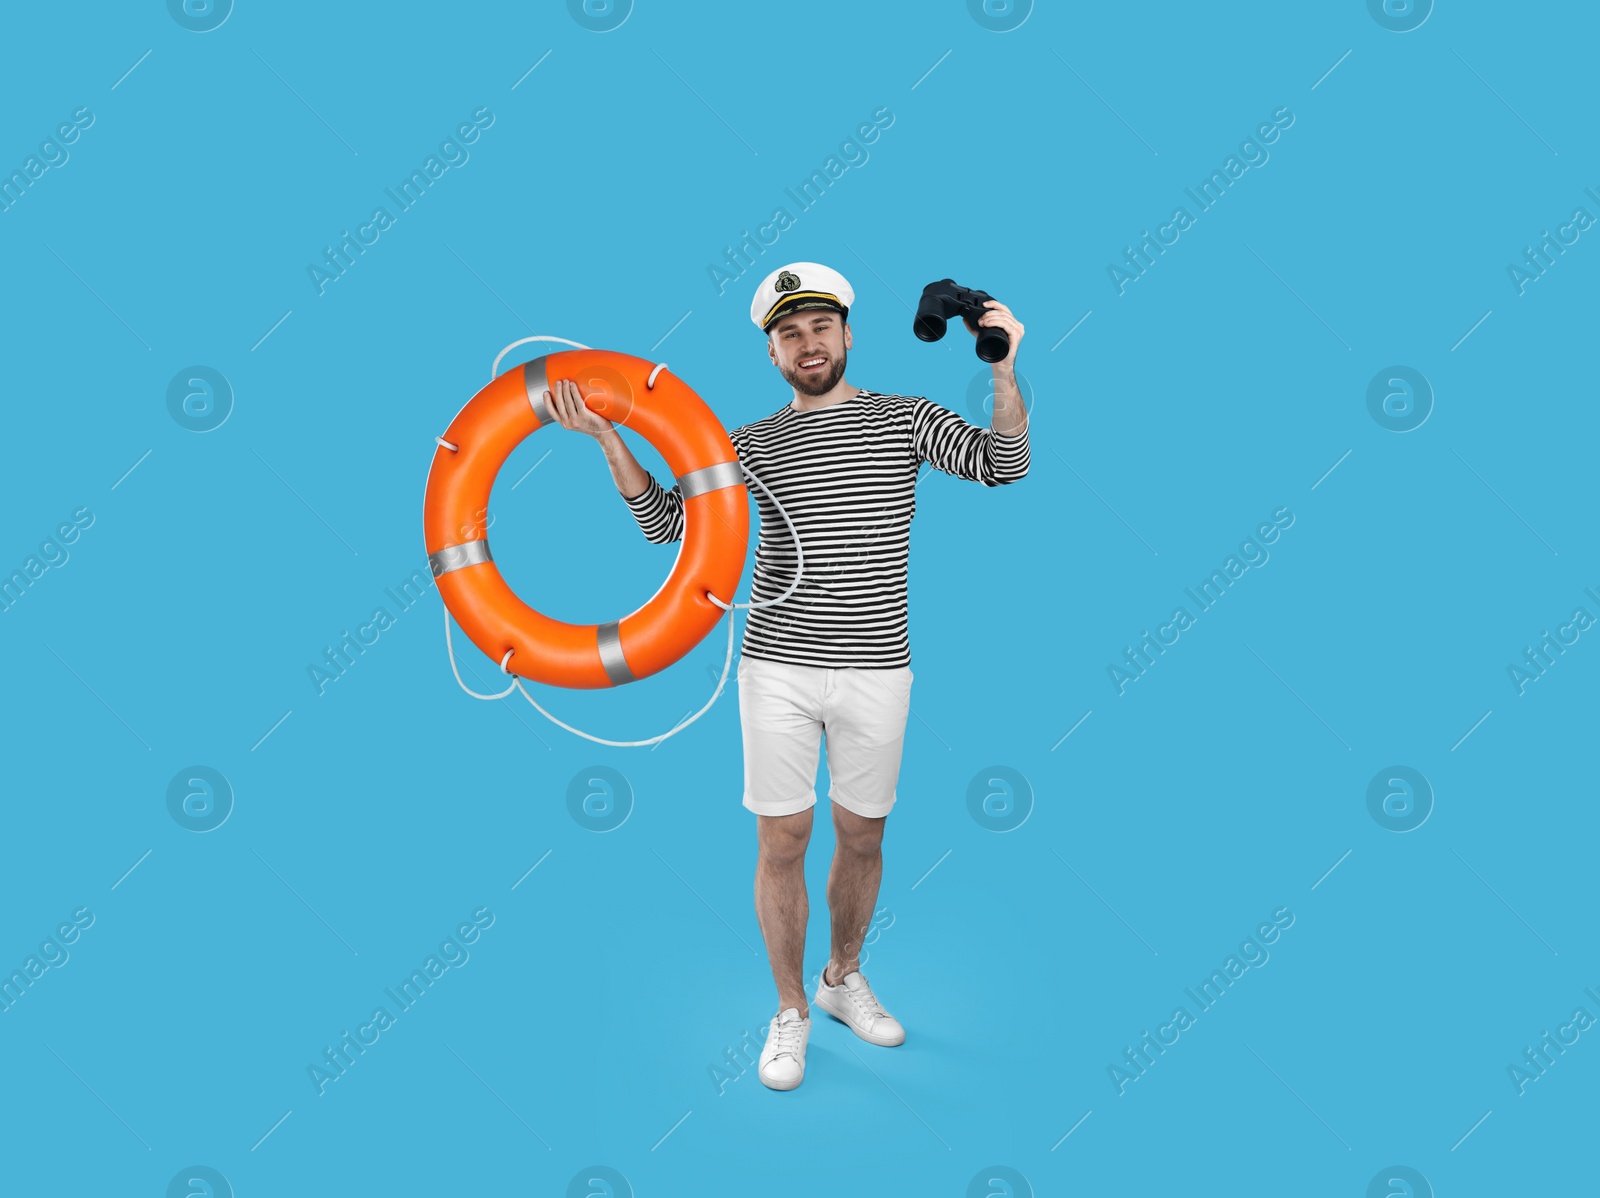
1227, 382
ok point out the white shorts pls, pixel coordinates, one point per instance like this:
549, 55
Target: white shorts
785, 709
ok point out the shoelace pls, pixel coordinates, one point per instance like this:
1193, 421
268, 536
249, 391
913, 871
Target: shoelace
866, 1002
786, 1035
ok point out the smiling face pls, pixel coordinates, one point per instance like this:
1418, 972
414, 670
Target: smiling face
809, 349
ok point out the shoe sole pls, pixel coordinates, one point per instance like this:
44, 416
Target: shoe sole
880, 1041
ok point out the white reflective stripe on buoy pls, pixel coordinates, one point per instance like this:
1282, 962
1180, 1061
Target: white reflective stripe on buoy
456, 557
616, 666
536, 384
710, 478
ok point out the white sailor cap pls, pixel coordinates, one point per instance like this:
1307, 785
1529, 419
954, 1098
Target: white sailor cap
799, 286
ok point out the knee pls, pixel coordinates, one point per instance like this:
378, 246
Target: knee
863, 839
783, 840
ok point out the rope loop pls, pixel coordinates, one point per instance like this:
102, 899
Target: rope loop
451, 649
494, 371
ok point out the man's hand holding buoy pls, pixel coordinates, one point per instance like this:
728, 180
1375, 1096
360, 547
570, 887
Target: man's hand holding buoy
571, 412
567, 405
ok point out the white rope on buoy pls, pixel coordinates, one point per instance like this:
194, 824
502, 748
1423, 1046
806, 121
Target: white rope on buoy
451, 649
494, 371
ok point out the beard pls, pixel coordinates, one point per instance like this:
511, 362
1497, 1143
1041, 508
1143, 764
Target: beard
817, 384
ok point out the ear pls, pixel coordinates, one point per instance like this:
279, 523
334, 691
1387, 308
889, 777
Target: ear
772, 351
847, 334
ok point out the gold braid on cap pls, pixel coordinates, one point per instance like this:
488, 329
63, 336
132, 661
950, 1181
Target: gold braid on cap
800, 295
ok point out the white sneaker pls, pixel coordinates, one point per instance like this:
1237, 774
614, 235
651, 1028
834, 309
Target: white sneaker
783, 1056
853, 1002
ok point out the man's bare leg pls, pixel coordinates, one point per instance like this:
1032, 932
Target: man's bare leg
781, 904
852, 887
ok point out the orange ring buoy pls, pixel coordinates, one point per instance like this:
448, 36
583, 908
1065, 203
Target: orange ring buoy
716, 521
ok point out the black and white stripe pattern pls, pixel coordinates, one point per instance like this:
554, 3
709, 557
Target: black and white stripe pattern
846, 475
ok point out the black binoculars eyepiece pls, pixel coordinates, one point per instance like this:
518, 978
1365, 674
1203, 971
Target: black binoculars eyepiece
947, 298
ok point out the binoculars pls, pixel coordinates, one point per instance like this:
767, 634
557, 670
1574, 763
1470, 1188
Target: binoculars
946, 298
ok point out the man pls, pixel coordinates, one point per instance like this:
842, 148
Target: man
834, 656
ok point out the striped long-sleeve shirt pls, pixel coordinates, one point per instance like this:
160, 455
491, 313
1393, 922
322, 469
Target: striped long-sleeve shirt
846, 475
